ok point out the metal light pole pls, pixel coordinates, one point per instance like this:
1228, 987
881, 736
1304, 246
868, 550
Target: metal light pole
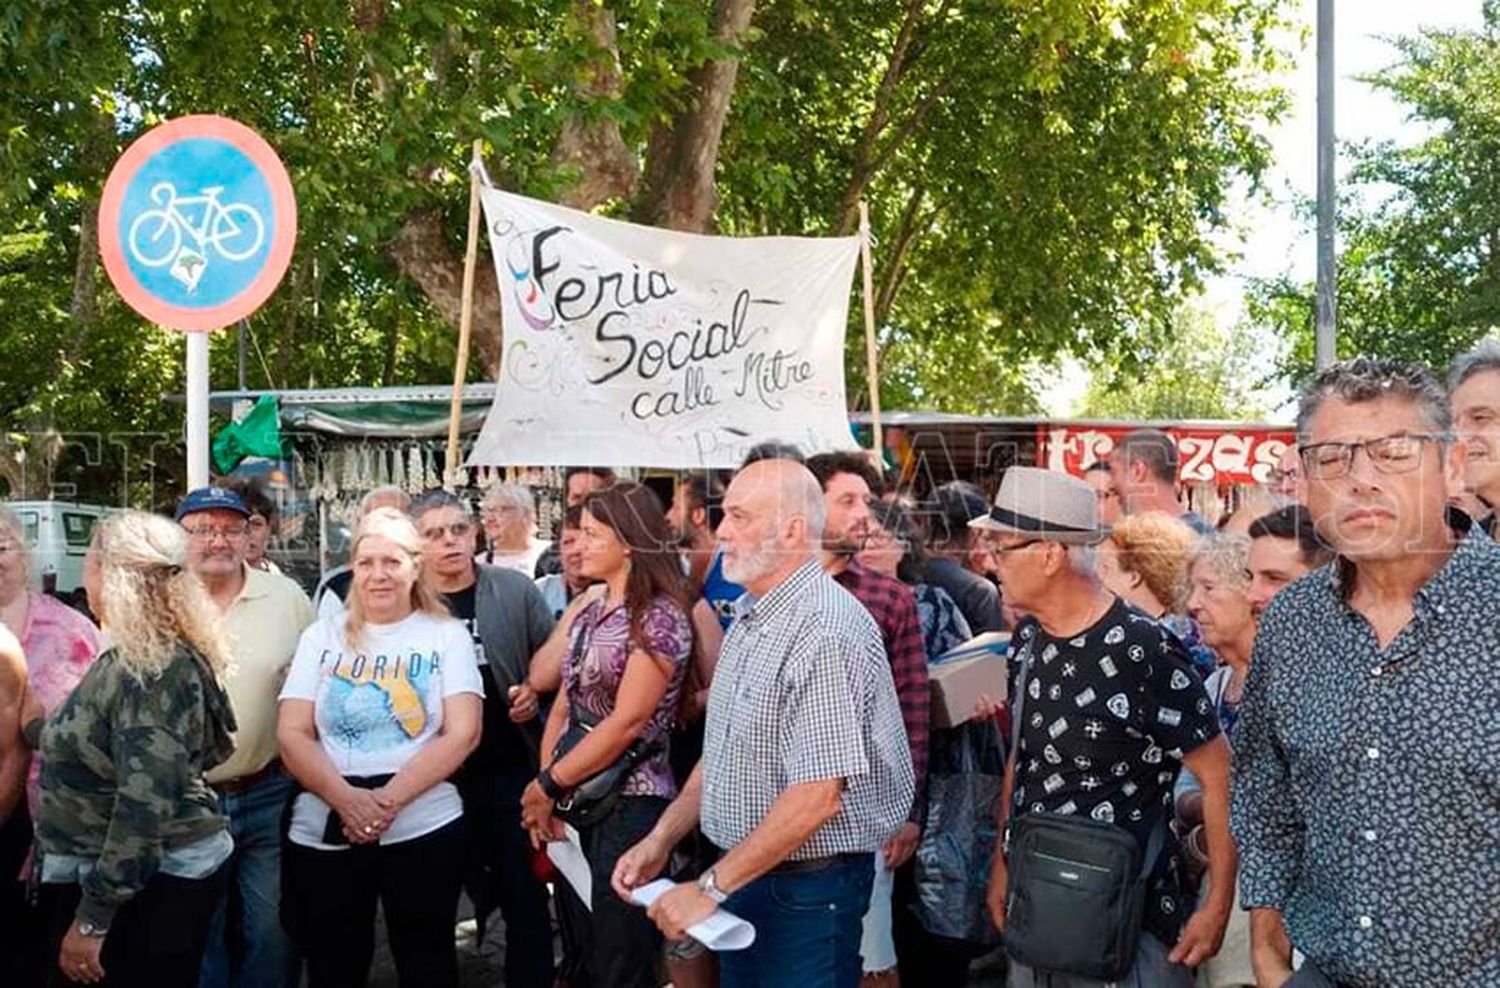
1327, 303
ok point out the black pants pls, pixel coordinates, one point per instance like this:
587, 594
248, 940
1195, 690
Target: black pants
156, 939
416, 882
620, 947
23, 927
500, 874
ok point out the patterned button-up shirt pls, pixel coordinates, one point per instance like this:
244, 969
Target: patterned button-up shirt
1366, 793
894, 608
803, 693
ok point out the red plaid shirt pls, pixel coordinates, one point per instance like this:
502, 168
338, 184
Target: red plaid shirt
892, 605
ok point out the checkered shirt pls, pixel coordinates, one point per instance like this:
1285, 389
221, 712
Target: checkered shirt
894, 607
803, 692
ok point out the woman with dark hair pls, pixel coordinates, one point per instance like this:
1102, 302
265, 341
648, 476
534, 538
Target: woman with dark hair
939, 920
621, 680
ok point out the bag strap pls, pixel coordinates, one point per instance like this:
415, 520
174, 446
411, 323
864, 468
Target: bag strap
1158, 840
1019, 707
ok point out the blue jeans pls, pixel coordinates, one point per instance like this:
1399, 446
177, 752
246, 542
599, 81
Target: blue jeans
807, 928
247, 947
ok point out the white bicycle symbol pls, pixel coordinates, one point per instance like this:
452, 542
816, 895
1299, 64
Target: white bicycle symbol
235, 231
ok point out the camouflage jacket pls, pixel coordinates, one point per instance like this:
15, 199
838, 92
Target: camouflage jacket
122, 772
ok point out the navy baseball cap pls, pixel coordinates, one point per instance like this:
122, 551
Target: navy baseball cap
211, 499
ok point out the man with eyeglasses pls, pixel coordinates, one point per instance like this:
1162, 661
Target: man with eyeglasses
264, 614
1367, 766
509, 621
1474, 387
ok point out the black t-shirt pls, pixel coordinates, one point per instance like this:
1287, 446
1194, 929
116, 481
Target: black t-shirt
501, 746
1107, 717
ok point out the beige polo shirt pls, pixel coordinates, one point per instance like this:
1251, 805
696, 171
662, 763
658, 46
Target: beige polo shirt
263, 625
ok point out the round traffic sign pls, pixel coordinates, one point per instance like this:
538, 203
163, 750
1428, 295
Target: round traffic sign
197, 223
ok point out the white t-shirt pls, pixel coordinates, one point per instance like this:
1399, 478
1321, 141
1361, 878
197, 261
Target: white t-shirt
376, 707
523, 562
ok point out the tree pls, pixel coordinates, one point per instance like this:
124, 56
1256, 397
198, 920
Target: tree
1419, 269
1044, 176
1202, 372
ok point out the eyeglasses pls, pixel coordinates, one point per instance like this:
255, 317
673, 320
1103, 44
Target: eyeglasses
457, 529
207, 533
1400, 453
1006, 550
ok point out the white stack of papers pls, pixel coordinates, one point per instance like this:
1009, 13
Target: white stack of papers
720, 931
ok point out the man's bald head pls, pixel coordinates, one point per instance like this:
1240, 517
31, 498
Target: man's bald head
773, 522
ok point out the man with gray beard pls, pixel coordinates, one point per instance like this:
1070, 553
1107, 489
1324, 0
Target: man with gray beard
806, 771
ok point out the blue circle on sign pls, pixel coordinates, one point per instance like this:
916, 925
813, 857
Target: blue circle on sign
197, 222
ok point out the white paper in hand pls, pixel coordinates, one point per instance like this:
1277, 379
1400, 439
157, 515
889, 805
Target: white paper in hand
721, 930
567, 855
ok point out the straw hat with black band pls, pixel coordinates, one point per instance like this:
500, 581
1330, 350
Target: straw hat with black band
1045, 505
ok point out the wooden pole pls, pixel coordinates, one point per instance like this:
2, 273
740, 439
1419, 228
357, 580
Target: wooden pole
872, 359
453, 468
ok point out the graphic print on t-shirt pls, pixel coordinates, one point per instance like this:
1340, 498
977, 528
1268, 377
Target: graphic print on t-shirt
376, 701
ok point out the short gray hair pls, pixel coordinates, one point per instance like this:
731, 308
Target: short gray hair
1483, 356
1228, 553
1365, 379
434, 499
514, 494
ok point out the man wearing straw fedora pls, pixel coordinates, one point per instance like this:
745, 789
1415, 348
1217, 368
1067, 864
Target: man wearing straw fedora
1107, 709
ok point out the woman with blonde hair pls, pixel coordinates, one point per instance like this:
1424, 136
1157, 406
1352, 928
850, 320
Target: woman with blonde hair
380, 707
1144, 561
132, 840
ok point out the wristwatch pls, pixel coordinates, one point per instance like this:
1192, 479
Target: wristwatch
708, 884
90, 930
550, 786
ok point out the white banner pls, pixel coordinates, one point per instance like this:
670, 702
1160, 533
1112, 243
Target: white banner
628, 345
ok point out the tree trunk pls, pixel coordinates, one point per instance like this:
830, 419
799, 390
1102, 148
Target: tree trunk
679, 192
590, 142
421, 252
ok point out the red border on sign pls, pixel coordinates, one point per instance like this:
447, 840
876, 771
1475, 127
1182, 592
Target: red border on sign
253, 296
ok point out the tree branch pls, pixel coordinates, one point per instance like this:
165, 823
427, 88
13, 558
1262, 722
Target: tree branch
679, 193
895, 264
421, 251
590, 141
865, 164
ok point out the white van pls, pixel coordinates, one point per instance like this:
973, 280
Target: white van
58, 533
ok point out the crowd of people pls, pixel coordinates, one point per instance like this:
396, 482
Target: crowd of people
1265, 752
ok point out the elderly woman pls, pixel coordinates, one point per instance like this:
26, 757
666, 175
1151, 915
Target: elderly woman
622, 677
1144, 561
508, 514
380, 707
132, 840
1218, 578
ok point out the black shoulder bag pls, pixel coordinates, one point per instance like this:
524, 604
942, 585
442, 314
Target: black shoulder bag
1077, 888
591, 800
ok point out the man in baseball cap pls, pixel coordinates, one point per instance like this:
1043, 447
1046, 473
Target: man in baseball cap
264, 614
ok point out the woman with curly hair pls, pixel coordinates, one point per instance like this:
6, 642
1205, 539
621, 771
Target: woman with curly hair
1145, 562
132, 840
